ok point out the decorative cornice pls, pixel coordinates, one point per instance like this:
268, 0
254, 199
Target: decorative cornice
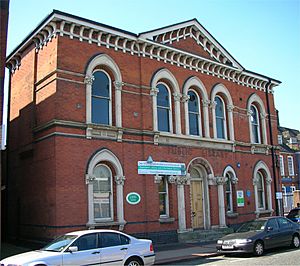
78, 28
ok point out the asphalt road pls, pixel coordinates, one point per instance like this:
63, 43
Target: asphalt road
282, 256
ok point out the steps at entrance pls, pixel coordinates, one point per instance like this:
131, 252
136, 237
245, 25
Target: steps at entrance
203, 235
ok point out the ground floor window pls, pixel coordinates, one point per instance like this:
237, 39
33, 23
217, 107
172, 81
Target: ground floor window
163, 198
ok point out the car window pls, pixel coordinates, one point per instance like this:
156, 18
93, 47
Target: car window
86, 242
284, 223
60, 243
272, 223
113, 239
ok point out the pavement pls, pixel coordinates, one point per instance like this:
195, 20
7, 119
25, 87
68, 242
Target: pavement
165, 253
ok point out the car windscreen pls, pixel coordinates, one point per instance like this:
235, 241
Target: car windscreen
59, 243
294, 214
252, 226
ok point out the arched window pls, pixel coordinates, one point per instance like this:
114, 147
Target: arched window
260, 191
229, 201
194, 113
220, 118
164, 116
102, 193
255, 125
101, 98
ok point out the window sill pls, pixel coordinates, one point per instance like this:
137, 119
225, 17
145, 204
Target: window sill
262, 212
232, 214
96, 225
166, 220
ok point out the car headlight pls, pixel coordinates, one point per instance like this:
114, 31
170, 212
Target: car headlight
243, 241
220, 242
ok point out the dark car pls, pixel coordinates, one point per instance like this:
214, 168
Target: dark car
294, 215
258, 235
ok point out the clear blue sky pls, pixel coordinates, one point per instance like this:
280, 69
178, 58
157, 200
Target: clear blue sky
262, 35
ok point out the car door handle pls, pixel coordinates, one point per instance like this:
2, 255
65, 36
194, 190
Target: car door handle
123, 248
96, 252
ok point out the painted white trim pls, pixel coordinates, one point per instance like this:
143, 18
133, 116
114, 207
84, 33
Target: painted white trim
257, 126
290, 162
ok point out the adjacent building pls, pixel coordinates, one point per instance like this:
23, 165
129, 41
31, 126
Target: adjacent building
89, 101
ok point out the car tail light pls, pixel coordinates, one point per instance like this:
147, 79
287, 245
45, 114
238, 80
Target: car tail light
151, 247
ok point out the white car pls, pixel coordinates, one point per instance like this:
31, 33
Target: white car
89, 247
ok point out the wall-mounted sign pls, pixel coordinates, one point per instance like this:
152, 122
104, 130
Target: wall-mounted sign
248, 193
161, 168
240, 198
133, 198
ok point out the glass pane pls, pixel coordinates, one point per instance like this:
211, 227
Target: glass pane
219, 107
110, 240
260, 199
100, 111
228, 202
255, 133
101, 84
193, 102
194, 124
220, 128
254, 115
162, 204
162, 186
102, 182
86, 242
101, 206
163, 119
163, 96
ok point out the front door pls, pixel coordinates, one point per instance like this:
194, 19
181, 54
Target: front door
197, 204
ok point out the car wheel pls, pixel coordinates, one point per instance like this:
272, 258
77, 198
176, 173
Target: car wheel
133, 262
258, 248
295, 241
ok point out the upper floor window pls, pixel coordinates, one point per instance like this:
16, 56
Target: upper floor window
194, 113
293, 140
280, 139
281, 165
101, 98
164, 115
290, 165
220, 118
255, 126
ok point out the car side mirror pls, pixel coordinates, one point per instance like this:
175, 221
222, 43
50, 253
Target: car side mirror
270, 228
73, 249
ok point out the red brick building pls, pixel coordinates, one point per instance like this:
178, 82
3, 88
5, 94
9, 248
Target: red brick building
88, 101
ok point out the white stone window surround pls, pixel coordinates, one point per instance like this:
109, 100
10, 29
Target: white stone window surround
110, 95
165, 74
229, 171
101, 156
290, 161
106, 61
194, 82
257, 128
224, 118
254, 99
266, 174
220, 90
170, 111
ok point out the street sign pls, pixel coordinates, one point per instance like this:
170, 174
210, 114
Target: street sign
240, 198
133, 198
161, 168
279, 195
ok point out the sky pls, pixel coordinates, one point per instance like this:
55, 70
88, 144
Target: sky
262, 35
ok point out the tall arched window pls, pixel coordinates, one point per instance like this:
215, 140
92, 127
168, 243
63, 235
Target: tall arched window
255, 125
229, 200
260, 191
194, 113
102, 193
163, 108
101, 98
220, 118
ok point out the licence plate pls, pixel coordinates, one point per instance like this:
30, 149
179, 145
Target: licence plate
227, 246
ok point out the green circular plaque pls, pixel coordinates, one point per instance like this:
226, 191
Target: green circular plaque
133, 198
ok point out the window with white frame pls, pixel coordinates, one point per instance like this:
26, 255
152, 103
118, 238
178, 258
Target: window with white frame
220, 118
293, 140
194, 113
260, 191
281, 165
255, 125
101, 98
284, 196
290, 165
293, 188
280, 139
228, 192
163, 198
164, 114
102, 193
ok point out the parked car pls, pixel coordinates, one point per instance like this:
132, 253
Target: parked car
294, 215
89, 247
258, 235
